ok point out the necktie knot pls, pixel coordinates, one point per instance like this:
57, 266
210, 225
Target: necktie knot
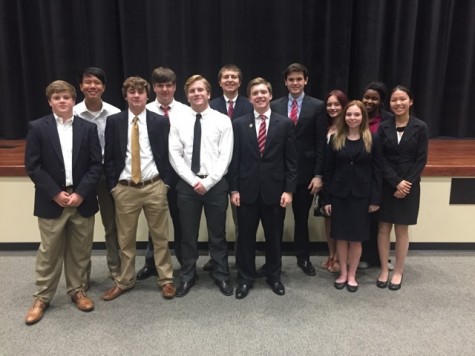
135, 120
198, 116
165, 110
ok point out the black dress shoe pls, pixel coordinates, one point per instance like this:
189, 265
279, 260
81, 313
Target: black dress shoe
277, 287
381, 284
307, 267
242, 291
225, 287
261, 272
339, 285
394, 286
208, 265
351, 288
184, 288
146, 271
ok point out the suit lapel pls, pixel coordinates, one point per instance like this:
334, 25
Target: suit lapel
78, 131
252, 133
273, 122
389, 128
54, 137
123, 129
409, 131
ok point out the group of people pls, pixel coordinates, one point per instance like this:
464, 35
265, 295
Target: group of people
262, 155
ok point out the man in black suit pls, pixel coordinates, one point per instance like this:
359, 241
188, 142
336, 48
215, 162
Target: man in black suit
138, 175
63, 159
263, 177
233, 105
308, 116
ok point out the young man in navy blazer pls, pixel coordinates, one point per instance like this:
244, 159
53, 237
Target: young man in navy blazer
308, 115
132, 194
63, 159
263, 178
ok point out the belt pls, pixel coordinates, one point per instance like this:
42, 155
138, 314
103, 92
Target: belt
129, 183
201, 176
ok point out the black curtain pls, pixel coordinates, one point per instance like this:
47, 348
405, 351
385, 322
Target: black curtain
427, 45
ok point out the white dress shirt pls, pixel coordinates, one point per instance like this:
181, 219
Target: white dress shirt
97, 118
216, 147
147, 163
65, 133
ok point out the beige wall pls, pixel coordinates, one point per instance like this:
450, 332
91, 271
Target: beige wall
438, 221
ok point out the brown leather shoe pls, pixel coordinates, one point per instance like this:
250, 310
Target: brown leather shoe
83, 302
36, 311
113, 293
168, 291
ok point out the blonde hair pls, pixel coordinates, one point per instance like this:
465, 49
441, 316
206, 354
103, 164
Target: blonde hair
342, 128
60, 86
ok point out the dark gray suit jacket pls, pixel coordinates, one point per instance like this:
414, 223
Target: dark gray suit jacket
311, 135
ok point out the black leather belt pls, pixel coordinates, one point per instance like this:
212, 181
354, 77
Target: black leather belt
129, 183
201, 176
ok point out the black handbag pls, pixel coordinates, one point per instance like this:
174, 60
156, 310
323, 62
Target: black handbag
318, 206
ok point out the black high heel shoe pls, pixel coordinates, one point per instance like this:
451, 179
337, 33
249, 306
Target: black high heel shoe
382, 284
394, 286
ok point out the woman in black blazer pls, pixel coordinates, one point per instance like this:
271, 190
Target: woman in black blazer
405, 141
352, 188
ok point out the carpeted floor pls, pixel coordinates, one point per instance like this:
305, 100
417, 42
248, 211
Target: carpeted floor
433, 314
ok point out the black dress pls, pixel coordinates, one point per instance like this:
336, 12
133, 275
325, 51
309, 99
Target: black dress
350, 218
404, 160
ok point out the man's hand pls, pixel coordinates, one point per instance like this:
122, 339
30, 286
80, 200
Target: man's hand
75, 200
316, 184
328, 209
199, 189
285, 199
62, 199
236, 199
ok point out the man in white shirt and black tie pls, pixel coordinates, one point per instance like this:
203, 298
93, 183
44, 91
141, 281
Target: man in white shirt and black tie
202, 165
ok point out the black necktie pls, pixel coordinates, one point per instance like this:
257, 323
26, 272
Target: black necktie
195, 158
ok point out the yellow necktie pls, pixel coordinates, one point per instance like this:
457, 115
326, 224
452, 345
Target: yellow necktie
135, 145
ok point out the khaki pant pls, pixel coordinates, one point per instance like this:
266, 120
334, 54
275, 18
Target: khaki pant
69, 239
129, 202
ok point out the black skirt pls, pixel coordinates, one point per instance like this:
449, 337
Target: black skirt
350, 219
400, 211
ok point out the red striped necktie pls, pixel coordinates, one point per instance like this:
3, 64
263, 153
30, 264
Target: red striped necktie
261, 137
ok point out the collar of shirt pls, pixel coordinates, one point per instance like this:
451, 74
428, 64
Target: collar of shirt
266, 114
142, 116
299, 100
60, 120
203, 113
226, 99
171, 105
82, 108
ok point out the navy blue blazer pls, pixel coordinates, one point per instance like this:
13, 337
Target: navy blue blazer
407, 159
45, 165
273, 173
311, 135
116, 137
359, 175
242, 106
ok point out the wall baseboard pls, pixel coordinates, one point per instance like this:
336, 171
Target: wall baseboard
318, 248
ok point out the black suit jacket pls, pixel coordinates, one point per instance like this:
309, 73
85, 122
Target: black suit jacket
359, 175
407, 159
116, 137
273, 173
45, 165
311, 135
242, 106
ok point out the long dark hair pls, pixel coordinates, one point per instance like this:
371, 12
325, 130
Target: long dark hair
342, 99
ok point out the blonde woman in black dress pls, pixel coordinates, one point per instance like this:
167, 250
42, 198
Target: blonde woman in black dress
352, 188
404, 141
